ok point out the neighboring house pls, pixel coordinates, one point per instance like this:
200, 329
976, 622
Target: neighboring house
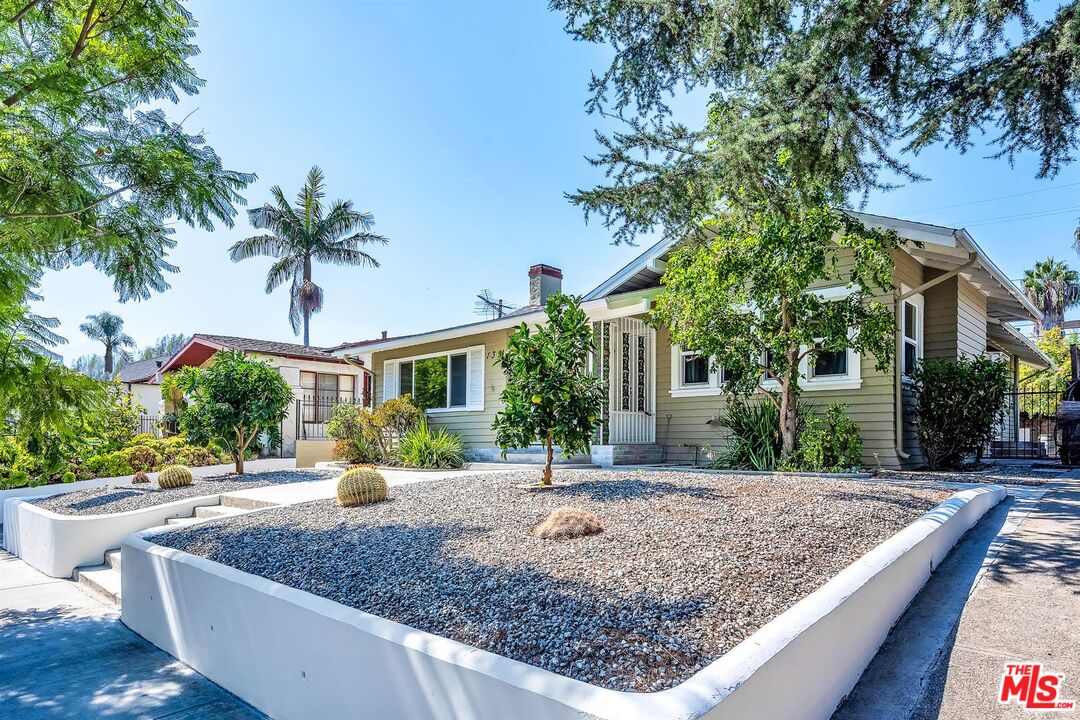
950, 300
319, 381
140, 378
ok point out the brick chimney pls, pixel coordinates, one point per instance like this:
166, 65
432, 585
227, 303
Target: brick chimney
544, 281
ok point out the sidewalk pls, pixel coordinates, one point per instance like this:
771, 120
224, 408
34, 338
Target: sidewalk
945, 660
65, 655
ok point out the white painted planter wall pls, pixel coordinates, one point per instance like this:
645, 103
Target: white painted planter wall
56, 544
295, 655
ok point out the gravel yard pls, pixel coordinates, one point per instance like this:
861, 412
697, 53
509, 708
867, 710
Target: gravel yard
101, 501
689, 564
992, 474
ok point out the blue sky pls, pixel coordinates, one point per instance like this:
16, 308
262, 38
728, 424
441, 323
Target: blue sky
459, 125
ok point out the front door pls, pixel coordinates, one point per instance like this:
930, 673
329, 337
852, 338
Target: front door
631, 410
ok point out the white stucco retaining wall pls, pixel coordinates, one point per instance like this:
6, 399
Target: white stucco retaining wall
295, 655
56, 544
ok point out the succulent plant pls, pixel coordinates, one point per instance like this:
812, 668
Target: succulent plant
360, 487
140, 477
174, 476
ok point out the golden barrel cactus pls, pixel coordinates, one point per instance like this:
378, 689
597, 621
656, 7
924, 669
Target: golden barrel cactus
174, 476
360, 487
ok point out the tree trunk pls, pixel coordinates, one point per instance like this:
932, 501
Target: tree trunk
545, 479
240, 462
789, 418
241, 446
108, 360
306, 308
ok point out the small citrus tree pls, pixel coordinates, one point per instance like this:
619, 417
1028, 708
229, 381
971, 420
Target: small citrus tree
232, 401
550, 395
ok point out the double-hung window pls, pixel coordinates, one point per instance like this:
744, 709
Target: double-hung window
911, 334
445, 381
322, 391
694, 374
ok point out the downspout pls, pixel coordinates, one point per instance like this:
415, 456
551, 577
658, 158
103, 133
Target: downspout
898, 404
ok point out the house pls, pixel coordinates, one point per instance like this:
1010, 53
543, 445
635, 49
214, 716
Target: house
320, 380
950, 300
139, 378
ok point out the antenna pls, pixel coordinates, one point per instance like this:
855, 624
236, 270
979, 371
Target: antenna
487, 306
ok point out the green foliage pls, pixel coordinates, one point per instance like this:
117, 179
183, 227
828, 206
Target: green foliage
389, 423
90, 173
119, 419
347, 421
752, 433
301, 235
232, 401
1054, 287
958, 403
742, 295
361, 486
847, 87
67, 477
357, 450
174, 476
829, 444
423, 447
363, 436
164, 345
550, 394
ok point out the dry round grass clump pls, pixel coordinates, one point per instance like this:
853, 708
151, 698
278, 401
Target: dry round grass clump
567, 523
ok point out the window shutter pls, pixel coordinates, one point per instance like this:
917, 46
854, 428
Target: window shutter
390, 382
474, 397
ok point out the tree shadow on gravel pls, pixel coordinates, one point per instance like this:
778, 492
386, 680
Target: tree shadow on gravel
104, 499
632, 488
421, 576
907, 502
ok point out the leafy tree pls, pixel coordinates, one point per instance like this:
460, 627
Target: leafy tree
164, 345
550, 394
741, 294
92, 366
85, 176
849, 88
298, 236
108, 329
1054, 287
232, 401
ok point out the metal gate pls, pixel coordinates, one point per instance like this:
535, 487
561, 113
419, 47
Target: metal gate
1028, 429
632, 396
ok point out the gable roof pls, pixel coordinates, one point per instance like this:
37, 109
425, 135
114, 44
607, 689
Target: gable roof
202, 346
141, 370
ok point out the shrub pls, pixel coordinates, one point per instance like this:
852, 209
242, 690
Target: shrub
360, 487
422, 447
174, 476
754, 438
829, 444
957, 405
389, 423
359, 449
67, 477
567, 523
112, 464
141, 457
140, 477
145, 439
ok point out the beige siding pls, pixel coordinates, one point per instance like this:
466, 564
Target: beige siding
474, 426
955, 323
971, 319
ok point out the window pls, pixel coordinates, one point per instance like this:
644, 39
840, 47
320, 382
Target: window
693, 374
435, 382
695, 369
830, 363
321, 392
911, 334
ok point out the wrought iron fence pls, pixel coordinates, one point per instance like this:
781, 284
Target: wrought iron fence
314, 410
158, 426
1029, 428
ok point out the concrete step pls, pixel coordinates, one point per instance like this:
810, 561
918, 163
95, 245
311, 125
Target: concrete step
112, 559
245, 503
215, 511
183, 521
101, 581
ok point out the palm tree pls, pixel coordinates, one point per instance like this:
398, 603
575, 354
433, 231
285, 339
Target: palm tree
305, 233
1054, 287
108, 329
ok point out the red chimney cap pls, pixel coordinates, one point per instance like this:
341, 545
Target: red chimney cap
548, 270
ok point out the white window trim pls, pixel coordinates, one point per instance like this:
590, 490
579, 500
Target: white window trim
852, 380
920, 336
712, 387
474, 363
